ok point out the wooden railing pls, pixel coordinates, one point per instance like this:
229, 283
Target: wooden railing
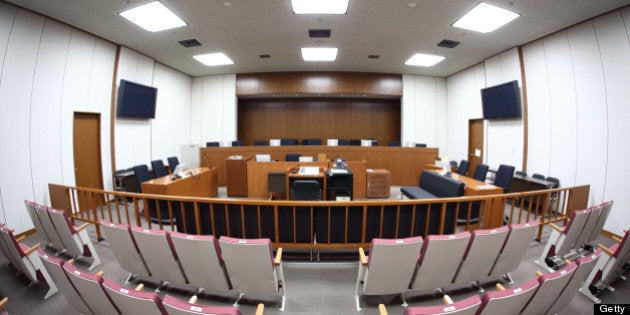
321, 224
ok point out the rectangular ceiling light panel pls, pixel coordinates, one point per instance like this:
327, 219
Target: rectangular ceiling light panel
319, 6
319, 54
485, 18
153, 17
215, 59
424, 60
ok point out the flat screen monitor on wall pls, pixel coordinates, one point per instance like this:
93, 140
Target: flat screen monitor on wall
136, 100
501, 101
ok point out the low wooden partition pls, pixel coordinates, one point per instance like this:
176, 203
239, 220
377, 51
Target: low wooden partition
404, 163
334, 224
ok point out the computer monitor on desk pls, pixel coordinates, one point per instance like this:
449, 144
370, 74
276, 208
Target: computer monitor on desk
263, 158
178, 171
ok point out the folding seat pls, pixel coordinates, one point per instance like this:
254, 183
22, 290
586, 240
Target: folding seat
75, 239
125, 249
157, 250
514, 249
39, 227
439, 260
547, 293
609, 267
54, 266
597, 229
508, 301
562, 240
591, 222
133, 301
388, 268
466, 306
252, 268
482, 251
90, 287
175, 306
584, 267
26, 260
200, 257
49, 228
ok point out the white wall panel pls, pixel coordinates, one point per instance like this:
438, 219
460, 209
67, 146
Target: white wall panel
196, 125
230, 111
563, 108
423, 111
442, 116
408, 109
591, 109
45, 124
16, 93
214, 101
614, 47
426, 110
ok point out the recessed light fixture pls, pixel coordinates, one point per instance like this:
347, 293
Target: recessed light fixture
424, 60
215, 59
485, 18
319, 54
153, 17
320, 6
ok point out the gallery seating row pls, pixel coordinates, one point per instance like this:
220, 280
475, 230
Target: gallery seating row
611, 266
576, 238
246, 266
545, 294
90, 293
401, 265
55, 228
24, 259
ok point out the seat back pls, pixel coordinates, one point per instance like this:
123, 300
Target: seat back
66, 232
49, 227
514, 248
311, 141
538, 176
157, 250
276, 181
571, 232
238, 143
555, 181
550, 285
467, 306
249, 263
393, 143
39, 227
212, 144
54, 266
176, 306
158, 168
462, 169
343, 142
391, 265
292, 157
261, 142
481, 171
201, 260
597, 229
288, 142
584, 266
504, 176
125, 248
481, 253
509, 301
90, 287
439, 260
142, 175
173, 161
306, 189
130, 301
593, 216
15, 253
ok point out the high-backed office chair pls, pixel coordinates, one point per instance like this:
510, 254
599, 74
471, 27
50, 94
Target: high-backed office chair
393, 143
481, 170
142, 175
453, 164
158, 168
462, 169
538, 176
421, 145
172, 162
520, 173
343, 142
212, 144
504, 176
261, 142
288, 142
311, 141
292, 157
554, 180
276, 183
238, 143
355, 142
374, 143
306, 189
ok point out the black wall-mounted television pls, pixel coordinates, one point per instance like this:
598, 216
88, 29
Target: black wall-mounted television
136, 100
501, 101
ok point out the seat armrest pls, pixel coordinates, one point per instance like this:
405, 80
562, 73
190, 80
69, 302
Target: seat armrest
382, 310
4, 302
140, 287
362, 258
555, 227
447, 299
605, 250
278, 260
31, 250
19, 239
500, 287
260, 309
82, 227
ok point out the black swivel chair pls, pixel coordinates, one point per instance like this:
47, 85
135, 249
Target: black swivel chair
355, 142
143, 175
480, 172
158, 168
172, 162
292, 157
276, 183
421, 145
538, 176
306, 189
288, 142
504, 176
212, 144
311, 141
343, 142
393, 143
555, 181
261, 142
462, 169
520, 173
238, 143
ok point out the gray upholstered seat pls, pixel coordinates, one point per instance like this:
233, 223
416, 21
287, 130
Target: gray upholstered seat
439, 260
125, 249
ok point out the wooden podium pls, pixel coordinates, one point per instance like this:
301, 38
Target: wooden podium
200, 182
236, 171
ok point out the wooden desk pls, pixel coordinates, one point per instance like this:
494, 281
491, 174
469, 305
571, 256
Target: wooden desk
293, 173
201, 183
524, 183
493, 214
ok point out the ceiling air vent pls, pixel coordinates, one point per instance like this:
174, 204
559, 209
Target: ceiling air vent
448, 43
321, 33
189, 43
264, 56
374, 56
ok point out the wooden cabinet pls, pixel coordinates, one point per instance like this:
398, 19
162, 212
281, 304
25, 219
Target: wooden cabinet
378, 183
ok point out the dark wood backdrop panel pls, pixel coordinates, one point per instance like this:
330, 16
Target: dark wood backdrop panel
321, 118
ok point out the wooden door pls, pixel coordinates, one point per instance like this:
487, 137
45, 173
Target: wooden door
475, 144
87, 155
